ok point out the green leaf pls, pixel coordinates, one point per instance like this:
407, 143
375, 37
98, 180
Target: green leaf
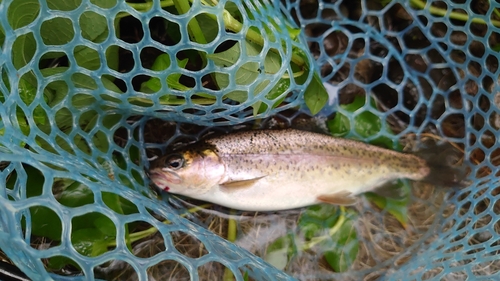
281, 251
112, 55
100, 140
230, 56
339, 126
109, 85
317, 219
112, 200
121, 206
161, 63
172, 30
108, 229
44, 221
233, 9
396, 207
366, 124
57, 31
346, 246
66, 5
34, 184
73, 193
173, 79
278, 90
292, 31
22, 12
106, 4
27, 93
22, 122
89, 242
270, 34
239, 96
59, 262
248, 73
56, 92
46, 72
210, 26
2, 36
6, 82
19, 14
87, 57
23, 51
272, 62
94, 26
315, 95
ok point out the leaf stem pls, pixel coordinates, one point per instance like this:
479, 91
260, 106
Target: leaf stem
148, 5
234, 25
145, 7
231, 228
495, 10
196, 33
453, 15
316, 240
133, 237
144, 101
339, 222
229, 21
231, 237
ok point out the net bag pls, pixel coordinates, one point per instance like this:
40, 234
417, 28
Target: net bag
82, 80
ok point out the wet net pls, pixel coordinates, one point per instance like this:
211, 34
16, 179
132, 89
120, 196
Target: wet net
90, 87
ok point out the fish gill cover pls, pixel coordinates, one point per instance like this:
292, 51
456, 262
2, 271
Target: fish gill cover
89, 89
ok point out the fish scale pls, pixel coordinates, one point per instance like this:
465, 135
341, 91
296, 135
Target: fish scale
289, 142
282, 169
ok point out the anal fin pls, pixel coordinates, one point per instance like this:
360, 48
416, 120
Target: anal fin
343, 198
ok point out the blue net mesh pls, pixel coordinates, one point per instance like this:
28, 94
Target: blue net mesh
75, 123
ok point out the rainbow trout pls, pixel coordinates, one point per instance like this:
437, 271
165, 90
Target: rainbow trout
269, 170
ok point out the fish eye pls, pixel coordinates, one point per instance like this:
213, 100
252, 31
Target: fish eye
174, 162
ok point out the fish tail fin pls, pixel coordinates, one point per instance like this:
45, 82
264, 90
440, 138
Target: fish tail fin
443, 171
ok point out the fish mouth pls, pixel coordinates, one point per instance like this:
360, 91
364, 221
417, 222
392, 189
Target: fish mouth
161, 179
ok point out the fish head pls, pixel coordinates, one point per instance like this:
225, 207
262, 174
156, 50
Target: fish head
188, 172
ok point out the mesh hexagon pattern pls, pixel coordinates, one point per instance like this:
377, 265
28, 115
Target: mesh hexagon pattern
73, 118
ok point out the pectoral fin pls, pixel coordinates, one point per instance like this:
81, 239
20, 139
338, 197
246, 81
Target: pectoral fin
343, 198
239, 184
